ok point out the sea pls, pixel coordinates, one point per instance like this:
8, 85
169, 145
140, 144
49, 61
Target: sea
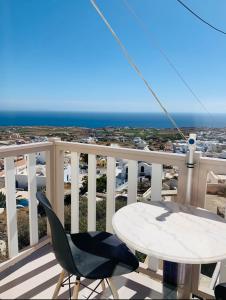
99, 120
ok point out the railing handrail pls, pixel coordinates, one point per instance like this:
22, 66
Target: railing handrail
212, 163
120, 152
125, 153
15, 150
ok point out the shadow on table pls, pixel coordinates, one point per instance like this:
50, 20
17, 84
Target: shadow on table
172, 207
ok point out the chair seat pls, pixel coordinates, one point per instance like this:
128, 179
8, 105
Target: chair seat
99, 255
220, 291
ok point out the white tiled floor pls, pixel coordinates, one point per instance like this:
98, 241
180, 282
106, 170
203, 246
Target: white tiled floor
35, 277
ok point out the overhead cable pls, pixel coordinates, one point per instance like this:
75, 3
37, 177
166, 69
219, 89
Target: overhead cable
165, 56
134, 66
201, 19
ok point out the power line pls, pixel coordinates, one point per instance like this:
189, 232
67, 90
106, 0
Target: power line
201, 19
134, 66
165, 56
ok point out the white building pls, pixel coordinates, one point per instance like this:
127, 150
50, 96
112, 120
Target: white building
223, 154
144, 169
41, 158
88, 140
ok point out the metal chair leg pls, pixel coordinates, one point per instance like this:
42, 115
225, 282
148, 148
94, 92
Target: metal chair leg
76, 288
113, 288
58, 286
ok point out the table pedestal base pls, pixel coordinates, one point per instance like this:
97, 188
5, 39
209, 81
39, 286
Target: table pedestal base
178, 275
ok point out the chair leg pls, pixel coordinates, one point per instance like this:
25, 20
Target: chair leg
113, 289
58, 286
76, 289
103, 285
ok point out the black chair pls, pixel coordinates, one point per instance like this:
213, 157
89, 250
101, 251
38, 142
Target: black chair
220, 291
92, 255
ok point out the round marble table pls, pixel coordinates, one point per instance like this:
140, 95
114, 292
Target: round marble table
172, 232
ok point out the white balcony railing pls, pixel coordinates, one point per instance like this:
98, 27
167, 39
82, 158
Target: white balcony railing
55, 150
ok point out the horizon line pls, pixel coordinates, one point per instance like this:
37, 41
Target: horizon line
104, 112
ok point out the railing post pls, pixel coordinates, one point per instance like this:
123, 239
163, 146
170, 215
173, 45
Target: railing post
75, 192
49, 176
182, 183
11, 206
132, 181
222, 277
156, 182
50, 180
55, 178
110, 204
59, 185
195, 192
91, 192
32, 187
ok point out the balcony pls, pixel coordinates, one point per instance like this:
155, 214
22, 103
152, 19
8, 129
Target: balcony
32, 272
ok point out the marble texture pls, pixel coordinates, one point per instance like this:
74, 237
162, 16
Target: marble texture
174, 232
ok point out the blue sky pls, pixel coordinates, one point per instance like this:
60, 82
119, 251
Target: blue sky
59, 55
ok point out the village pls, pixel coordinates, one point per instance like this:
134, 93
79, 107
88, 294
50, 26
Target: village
211, 143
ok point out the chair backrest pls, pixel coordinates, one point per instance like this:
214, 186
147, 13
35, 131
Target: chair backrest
60, 242
220, 291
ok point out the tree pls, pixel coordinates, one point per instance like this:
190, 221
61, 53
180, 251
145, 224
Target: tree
84, 187
83, 213
101, 184
2, 200
84, 157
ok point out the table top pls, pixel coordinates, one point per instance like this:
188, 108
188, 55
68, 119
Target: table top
173, 232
